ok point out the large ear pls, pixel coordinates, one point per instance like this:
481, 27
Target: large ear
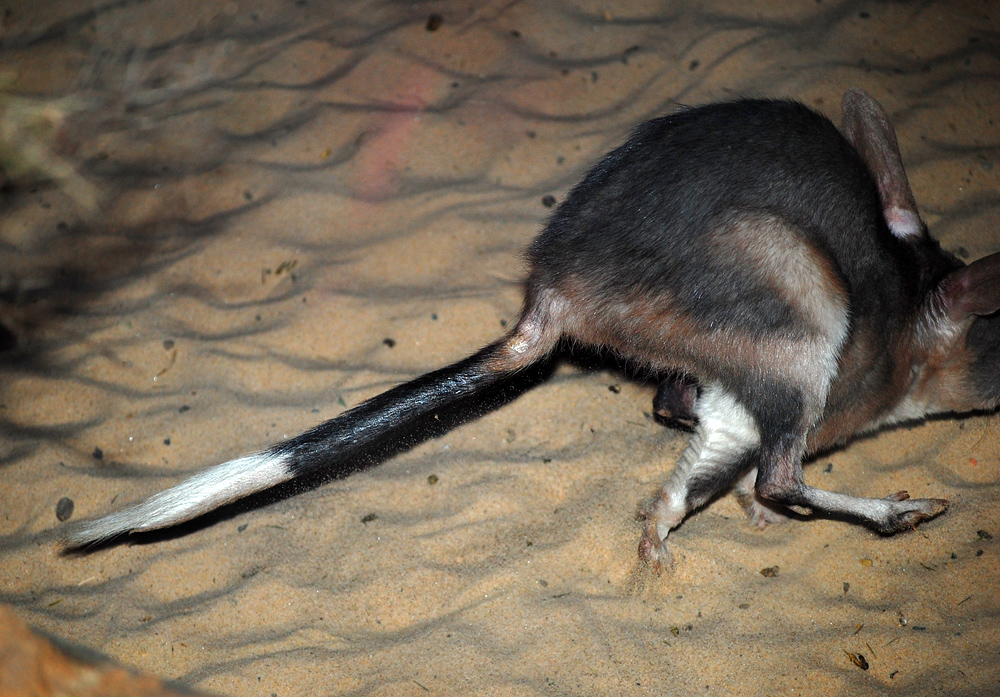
867, 127
972, 289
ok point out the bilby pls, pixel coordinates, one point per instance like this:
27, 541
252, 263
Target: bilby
775, 269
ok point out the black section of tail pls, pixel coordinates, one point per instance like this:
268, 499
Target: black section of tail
357, 429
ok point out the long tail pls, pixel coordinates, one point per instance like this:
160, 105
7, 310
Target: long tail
312, 451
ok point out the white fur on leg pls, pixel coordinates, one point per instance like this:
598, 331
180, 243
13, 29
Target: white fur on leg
726, 432
191, 498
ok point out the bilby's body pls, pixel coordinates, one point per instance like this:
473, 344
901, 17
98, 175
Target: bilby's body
776, 268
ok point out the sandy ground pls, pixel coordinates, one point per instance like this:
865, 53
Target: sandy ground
299, 203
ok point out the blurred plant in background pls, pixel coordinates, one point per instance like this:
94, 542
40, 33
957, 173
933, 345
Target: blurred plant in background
33, 145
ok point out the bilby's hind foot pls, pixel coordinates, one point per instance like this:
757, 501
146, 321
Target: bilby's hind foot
760, 512
657, 523
905, 513
889, 515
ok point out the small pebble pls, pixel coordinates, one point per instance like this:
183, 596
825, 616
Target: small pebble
64, 509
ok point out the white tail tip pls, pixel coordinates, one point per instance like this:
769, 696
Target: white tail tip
193, 497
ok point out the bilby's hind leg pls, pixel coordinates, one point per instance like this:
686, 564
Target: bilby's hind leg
721, 449
894, 513
779, 479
